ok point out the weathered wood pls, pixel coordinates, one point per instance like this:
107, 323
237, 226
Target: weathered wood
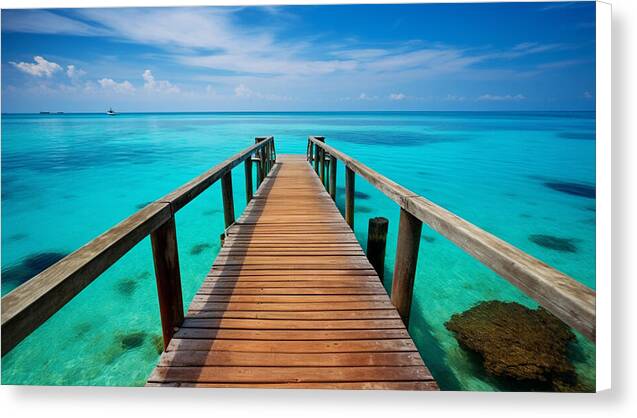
332, 181
350, 179
228, 199
566, 298
248, 174
409, 229
377, 243
167, 275
308, 307
28, 306
322, 167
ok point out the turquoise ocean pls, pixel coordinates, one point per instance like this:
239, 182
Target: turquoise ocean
527, 177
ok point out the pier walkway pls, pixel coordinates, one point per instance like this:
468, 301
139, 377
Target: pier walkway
292, 301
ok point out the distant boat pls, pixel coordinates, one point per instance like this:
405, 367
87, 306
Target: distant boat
111, 112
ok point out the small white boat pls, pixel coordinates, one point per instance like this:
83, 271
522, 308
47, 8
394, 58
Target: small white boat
111, 112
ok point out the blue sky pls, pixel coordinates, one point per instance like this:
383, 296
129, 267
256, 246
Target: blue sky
506, 56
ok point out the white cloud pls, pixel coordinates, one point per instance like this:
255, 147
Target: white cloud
501, 98
454, 98
112, 85
40, 68
73, 72
397, 96
243, 91
160, 86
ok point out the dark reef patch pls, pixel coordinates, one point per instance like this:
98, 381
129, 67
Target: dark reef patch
126, 287
551, 242
17, 237
158, 343
211, 212
518, 344
362, 209
428, 238
589, 136
358, 195
132, 340
82, 329
526, 215
199, 248
29, 267
143, 205
574, 189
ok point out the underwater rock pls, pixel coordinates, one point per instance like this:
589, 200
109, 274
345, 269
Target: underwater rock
518, 343
575, 189
82, 329
18, 237
199, 248
566, 245
30, 266
158, 343
126, 286
358, 195
428, 238
143, 205
132, 340
362, 209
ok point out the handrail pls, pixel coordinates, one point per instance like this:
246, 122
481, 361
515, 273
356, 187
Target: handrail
28, 306
566, 298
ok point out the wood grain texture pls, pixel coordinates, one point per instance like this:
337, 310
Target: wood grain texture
292, 301
566, 298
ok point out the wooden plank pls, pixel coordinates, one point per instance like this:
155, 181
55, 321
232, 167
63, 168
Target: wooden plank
411, 386
288, 374
326, 346
238, 359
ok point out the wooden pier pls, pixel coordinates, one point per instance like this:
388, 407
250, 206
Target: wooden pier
291, 300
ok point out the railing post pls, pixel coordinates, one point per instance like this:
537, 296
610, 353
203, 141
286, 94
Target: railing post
317, 151
377, 243
409, 230
322, 168
228, 201
310, 151
332, 182
349, 196
166, 260
248, 171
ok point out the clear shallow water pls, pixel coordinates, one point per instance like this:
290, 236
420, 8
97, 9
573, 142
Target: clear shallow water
67, 178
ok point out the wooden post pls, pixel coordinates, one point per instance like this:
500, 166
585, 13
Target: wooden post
332, 182
377, 243
317, 152
258, 163
349, 197
222, 238
166, 260
248, 170
310, 152
228, 202
322, 170
409, 231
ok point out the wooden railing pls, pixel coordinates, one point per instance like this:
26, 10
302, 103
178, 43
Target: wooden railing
566, 298
31, 304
